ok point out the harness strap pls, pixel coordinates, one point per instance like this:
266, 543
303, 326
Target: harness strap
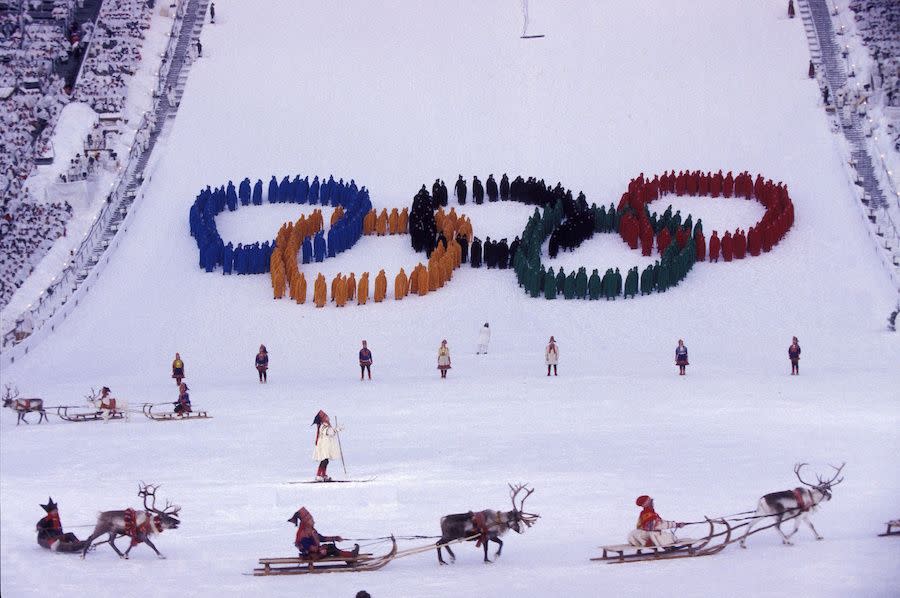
798, 495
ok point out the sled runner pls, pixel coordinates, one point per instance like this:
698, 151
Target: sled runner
163, 416
302, 566
63, 412
681, 548
893, 528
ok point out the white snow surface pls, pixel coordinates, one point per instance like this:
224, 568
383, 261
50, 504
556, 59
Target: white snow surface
394, 95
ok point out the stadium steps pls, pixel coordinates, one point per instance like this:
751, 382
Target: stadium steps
816, 16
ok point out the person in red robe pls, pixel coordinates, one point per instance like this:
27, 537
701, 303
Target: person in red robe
740, 244
312, 545
663, 239
714, 247
728, 185
727, 247
651, 529
647, 240
699, 246
754, 242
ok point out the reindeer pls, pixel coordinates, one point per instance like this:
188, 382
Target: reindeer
23, 406
796, 504
106, 405
488, 524
135, 524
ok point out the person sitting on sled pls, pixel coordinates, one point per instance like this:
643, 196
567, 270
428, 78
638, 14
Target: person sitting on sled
310, 542
50, 532
651, 528
183, 404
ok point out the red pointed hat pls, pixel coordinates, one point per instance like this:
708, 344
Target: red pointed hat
642, 501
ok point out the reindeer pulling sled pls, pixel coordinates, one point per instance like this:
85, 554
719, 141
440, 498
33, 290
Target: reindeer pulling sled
652, 540
23, 406
137, 525
320, 554
105, 407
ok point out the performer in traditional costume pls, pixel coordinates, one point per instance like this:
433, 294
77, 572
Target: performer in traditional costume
327, 447
652, 529
50, 532
309, 541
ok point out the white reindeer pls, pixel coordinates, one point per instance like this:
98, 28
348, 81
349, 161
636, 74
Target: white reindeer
797, 504
107, 405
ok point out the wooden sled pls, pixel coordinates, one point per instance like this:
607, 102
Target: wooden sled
63, 412
147, 408
301, 566
681, 548
893, 528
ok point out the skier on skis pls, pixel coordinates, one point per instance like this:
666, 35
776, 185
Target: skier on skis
326, 444
651, 528
309, 541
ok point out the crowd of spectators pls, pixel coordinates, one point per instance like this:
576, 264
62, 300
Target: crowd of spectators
114, 54
39, 40
878, 22
27, 230
34, 38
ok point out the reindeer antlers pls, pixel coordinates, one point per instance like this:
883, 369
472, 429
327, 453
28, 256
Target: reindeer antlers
149, 490
527, 518
821, 482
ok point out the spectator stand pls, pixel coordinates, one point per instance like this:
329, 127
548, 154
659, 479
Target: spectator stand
881, 213
92, 255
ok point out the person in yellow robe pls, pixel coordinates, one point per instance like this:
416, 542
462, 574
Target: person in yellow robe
380, 287
340, 297
351, 286
403, 222
362, 291
400, 285
393, 222
320, 291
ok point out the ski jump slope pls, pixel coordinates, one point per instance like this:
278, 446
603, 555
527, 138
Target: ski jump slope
394, 95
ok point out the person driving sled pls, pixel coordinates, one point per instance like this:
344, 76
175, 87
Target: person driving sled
650, 530
309, 541
50, 532
183, 404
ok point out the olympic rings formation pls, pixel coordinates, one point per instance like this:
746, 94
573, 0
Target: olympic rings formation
565, 221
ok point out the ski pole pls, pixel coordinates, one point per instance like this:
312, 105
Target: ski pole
340, 448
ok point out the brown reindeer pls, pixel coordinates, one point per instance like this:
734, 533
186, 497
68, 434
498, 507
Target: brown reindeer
23, 406
137, 525
486, 525
796, 504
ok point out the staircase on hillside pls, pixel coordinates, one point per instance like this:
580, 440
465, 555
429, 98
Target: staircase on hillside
191, 27
826, 53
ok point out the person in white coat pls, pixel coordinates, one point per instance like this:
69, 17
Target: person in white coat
484, 337
327, 447
551, 355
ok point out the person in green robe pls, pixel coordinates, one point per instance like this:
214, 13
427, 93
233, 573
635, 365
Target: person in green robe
550, 285
594, 286
581, 283
569, 286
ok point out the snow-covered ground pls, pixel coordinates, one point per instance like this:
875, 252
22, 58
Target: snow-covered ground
395, 95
